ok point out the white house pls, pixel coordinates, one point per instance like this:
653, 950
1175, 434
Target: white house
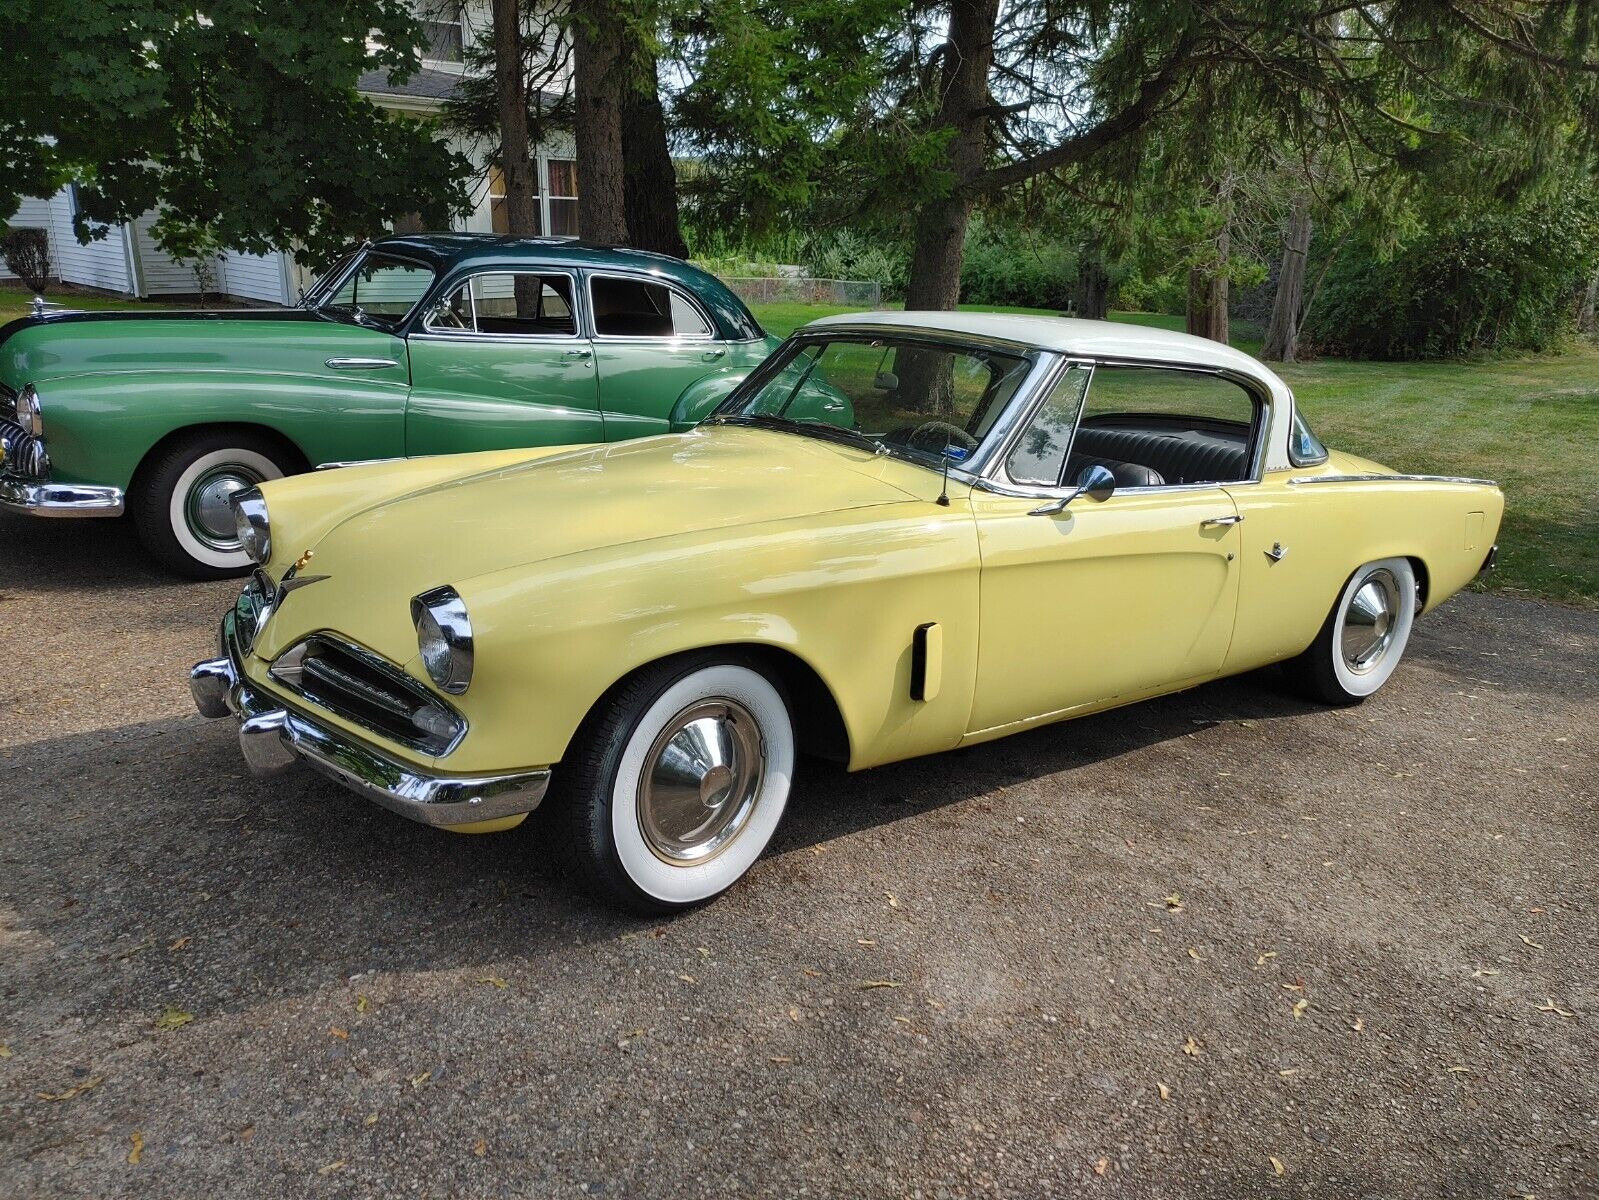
127, 260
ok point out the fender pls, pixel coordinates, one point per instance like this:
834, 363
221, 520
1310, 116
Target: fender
703, 395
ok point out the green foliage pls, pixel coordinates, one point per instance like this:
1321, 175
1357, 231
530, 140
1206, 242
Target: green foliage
241, 123
1012, 265
847, 255
1484, 282
27, 252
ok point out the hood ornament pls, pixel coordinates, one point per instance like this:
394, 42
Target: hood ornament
292, 579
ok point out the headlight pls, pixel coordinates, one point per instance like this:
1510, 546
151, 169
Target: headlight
444, 636
28, 411
255, 530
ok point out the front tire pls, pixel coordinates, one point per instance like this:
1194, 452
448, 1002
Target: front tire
1363, 638
675, 787
180, 505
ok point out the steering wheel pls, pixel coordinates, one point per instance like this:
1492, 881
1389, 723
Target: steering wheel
447, 318
933, 437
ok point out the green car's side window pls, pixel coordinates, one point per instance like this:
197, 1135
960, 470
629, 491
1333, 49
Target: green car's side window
509, 303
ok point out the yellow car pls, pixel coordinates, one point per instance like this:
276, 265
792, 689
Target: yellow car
904, 533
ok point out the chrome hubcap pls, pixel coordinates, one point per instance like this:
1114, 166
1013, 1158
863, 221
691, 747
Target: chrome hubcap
701, 780
1369, 622
207, 511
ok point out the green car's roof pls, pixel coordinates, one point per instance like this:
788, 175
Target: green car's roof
447, 253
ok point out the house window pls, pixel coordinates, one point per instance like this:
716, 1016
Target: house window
499, 216
563, 197
441, 30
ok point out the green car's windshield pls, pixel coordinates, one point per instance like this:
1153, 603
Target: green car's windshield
381, 289
920, 400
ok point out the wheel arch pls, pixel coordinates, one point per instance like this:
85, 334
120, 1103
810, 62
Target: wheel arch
297, 459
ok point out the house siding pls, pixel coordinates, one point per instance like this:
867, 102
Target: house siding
258, 277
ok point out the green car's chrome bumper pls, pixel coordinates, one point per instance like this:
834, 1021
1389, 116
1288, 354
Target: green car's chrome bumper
273, 736
40, 499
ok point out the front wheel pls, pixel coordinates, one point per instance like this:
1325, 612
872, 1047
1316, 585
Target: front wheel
1364, 636
181, 502
671, 792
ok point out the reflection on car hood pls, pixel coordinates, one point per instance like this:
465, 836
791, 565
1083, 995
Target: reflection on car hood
628, 492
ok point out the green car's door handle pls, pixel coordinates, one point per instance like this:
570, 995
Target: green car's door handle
360, 364
580, 355
713, 355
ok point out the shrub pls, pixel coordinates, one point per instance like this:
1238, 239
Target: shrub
27, 254
849, 255
1497, 281
1017, 267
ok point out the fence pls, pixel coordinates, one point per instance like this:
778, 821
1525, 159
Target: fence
848, 293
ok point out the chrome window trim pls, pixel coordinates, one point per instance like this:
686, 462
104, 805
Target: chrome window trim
647, 339
400, 322
430, 332
1309, 479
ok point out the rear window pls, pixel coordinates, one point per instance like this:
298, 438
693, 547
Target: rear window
639, 308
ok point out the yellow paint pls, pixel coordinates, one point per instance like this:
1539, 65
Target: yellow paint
579, 566
498, 825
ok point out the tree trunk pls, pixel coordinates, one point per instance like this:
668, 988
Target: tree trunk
1092, 298
1207, 292
599, 83
650, 187
1587, 317
1288, 304
940, 245
510, 86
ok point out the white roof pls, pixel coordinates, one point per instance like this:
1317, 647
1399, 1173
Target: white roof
1066, 335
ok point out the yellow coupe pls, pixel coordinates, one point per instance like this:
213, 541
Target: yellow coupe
904, 533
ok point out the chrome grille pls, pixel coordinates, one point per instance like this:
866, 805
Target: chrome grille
23, 454
371, 692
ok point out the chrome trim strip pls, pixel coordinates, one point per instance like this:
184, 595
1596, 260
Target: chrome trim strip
363, 462
272, 739
1307, 479
360, 364
60, 499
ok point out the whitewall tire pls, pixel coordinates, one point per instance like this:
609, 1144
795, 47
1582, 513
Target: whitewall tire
181, 503
1364, 637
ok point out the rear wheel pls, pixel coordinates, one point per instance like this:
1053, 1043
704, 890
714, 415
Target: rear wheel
1364, 637
181, 503
671, 792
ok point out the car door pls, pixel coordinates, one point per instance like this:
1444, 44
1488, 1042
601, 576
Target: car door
652, 340
1102, 598
503, 363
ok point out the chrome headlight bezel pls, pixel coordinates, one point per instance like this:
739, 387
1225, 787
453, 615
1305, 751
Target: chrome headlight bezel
253, 524
29, 414
444, 638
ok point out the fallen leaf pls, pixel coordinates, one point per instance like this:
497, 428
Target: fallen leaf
494, 981
1287, 1071
362, 1003
418, 1080
1165, 1092
705, 951
1292, 987
179, 944
480, 1147
864, 942
370, 1120
136, 1148
1174, 902
75, 1090
1261, 961
1299, 1008
1527, 941
1191, 1048
1480, 972
1551, 1006
688, 979
1277, 1165
1457, 1071
903, 1020
1101, 1167
5, 1050
780, 1058
173, 1018
333, 1166
878, 983
1360, 1023
810, 972
342, 1034
248, 1131
893, 900
1193, 954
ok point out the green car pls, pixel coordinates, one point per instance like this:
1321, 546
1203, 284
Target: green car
413, 346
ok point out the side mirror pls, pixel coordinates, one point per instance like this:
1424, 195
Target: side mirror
1095, 482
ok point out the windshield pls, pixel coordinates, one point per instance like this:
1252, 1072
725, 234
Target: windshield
919, 400
381, 290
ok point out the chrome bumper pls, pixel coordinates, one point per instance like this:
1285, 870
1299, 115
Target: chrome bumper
42, 499
273, 738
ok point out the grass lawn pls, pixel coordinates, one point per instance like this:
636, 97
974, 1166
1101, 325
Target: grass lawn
1530, 423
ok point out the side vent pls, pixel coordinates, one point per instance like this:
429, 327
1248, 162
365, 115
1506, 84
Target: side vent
927, 661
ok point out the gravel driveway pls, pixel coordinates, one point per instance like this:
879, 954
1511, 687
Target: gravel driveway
1220, 945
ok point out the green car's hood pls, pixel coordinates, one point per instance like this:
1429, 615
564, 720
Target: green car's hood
280, 341
624, 494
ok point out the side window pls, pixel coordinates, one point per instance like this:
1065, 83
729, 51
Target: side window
519, 303
1304, 447
1160, 426
634, 308
1039, 456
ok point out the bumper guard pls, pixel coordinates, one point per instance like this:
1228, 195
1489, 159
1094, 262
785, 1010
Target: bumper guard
41, 499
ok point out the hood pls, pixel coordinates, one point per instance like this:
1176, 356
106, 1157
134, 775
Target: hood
710, 478
39, 349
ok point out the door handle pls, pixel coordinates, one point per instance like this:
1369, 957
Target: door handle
579, 355
712, 355
1208, 522
360, 364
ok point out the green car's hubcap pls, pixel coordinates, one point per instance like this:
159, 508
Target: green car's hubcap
1369, 622
701, 780
207, 511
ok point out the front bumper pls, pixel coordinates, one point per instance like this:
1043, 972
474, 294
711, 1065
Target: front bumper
274, 736
42, 499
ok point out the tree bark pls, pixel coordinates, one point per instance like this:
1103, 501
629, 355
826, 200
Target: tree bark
1288, 303
650, 186
940, 244
1587, 317
1208, 289
1092, 299
598, 87
510, 85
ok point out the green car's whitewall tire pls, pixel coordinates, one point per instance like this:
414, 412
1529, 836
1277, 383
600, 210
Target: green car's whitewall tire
181, 503
675, 789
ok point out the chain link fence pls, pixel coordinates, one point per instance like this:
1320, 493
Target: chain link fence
848, 293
